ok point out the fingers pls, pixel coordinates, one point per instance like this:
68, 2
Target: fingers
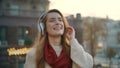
70, 32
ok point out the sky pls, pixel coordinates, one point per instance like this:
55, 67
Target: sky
93, 8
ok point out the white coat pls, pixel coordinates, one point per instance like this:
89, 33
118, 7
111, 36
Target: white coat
80, 58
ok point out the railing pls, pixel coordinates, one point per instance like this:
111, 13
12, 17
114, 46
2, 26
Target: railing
20, 13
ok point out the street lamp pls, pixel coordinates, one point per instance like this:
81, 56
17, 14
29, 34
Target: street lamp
26, 32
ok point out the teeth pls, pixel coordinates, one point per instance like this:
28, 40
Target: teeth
57, 28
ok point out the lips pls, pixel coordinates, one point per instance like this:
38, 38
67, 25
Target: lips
58, 27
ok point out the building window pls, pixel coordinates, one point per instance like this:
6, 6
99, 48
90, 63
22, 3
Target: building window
3, 34
23, 34
14, 10
118, 37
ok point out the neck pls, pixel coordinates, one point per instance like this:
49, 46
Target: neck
54, 41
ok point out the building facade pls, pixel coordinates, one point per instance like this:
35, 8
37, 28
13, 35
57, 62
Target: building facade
111, 41
76, 23
18, 28
18, 24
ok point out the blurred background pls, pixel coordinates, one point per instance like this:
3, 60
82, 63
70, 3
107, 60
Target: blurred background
100, 36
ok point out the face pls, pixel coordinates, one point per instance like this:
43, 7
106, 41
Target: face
54, 24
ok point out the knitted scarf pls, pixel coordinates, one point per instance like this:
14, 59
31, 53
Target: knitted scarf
61, 61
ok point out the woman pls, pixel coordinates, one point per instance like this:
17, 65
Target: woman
57, 47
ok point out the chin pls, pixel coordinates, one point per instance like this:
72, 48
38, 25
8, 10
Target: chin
57, 34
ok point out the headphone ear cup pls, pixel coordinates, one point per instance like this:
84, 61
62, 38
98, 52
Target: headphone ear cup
40, 24
41, 27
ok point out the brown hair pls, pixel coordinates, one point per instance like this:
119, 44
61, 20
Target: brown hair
41, 40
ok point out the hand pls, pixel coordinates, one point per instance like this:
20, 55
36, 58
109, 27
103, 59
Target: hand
70, 33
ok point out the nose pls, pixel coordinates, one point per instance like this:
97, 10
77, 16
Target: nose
57, 21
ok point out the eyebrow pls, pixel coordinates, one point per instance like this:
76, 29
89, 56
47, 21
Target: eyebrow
55, 18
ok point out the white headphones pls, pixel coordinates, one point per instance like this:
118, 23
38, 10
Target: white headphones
40, 24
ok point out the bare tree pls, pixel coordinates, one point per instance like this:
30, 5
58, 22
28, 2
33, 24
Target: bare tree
92, 29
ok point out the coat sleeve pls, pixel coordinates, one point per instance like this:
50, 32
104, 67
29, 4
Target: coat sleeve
79, 56
30, 59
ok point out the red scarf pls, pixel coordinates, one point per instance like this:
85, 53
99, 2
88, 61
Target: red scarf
62, 61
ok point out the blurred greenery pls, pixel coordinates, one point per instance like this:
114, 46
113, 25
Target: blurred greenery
110, 54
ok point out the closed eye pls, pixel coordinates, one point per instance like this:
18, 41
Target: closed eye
60, 19
54, 19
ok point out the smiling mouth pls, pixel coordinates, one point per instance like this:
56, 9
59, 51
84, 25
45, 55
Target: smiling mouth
58, 28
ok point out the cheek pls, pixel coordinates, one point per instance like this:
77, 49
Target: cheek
48, 28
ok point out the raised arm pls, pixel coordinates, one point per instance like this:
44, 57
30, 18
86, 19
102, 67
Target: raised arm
78, 54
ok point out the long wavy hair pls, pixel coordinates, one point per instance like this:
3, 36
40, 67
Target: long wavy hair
41, 40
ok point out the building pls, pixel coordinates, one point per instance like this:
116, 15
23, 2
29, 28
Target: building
111, 41
113, 32
76, 23
17, 24
93, 28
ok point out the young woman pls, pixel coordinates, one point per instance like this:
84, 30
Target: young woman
57, 46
